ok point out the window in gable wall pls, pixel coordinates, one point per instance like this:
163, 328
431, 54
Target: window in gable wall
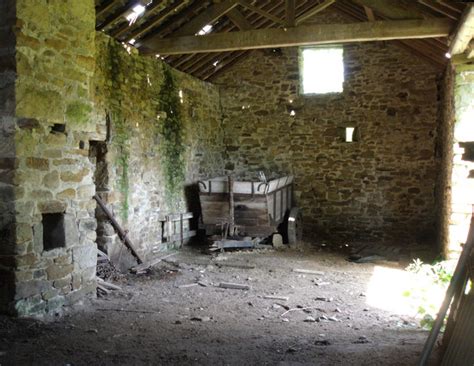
322, 70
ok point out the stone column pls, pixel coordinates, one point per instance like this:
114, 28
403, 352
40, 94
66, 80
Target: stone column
53, 254
7, 152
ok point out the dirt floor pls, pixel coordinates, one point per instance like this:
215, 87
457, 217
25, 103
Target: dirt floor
176, 314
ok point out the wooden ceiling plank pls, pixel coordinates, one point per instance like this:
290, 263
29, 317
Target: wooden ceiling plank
128, 27
258, 10
234, 57
303, 35
238, 19
392, 9
169, 25
312, 12
453, 6
290, 10
104, 8
446, 12
207, 17
463, 33
111, 19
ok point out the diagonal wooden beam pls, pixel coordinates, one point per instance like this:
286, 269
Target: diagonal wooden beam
370, 13
104, 8
208, 16
239, 20
312, 12
290, 13
257, 10
300, 36
464, 32
392, 9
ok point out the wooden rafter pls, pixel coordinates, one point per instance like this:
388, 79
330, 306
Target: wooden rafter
370, 14
260, 11
392, 9
303, 35
313, 11
440, 9
209, 16
290, 15
238, 19
464, 32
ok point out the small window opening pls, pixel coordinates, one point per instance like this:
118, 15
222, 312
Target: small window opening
322, 70
54, 235
351, 134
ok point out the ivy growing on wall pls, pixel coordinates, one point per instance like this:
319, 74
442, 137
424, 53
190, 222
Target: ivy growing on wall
172, 131
115, 113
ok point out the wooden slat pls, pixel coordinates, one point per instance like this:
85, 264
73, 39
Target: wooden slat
370, 13
290, 13
260, 11
208, 16
104, 8
392, 9
312, 12
239, 20
439, 9
111, 19
299, 36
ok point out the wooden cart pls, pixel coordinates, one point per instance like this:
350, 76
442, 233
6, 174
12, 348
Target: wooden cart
258, 209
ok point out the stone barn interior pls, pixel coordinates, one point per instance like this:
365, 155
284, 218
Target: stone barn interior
234, 181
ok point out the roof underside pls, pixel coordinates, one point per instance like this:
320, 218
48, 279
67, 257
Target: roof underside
165, 18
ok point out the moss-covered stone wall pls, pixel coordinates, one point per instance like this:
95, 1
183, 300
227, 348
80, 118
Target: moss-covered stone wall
79, 115
164, 134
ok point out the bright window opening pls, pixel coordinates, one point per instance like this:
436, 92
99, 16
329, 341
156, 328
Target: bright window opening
350, 134
322, 70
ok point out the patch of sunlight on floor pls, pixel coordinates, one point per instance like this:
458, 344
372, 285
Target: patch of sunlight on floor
402, 292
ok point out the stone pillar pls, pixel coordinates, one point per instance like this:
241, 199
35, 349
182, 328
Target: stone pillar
53, 253
7, 153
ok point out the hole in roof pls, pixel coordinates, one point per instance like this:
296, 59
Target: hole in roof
205, 30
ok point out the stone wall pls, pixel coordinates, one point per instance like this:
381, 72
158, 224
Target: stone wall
380, 187
130, 92
53, 175
81, 115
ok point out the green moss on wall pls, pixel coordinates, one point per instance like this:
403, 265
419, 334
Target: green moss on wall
172, 130
78, 112
121, 137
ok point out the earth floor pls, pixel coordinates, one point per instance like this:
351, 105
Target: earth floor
176, 314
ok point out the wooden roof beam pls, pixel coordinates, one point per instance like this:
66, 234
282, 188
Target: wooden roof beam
463, 33
299, 36
312, 12
370, 14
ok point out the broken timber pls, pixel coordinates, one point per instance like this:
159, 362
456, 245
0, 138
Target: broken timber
121, 233
299, 36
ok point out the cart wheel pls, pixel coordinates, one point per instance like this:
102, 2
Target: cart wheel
295, 227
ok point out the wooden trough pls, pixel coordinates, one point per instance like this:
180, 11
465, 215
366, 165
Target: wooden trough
256, 209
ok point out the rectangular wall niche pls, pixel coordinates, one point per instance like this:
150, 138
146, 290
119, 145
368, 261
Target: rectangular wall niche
54, 235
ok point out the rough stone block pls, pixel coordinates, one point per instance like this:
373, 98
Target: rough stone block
56, 271
30, 288
52, 206
69, 193
74, 177
71, 230
37, 163
85, 256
